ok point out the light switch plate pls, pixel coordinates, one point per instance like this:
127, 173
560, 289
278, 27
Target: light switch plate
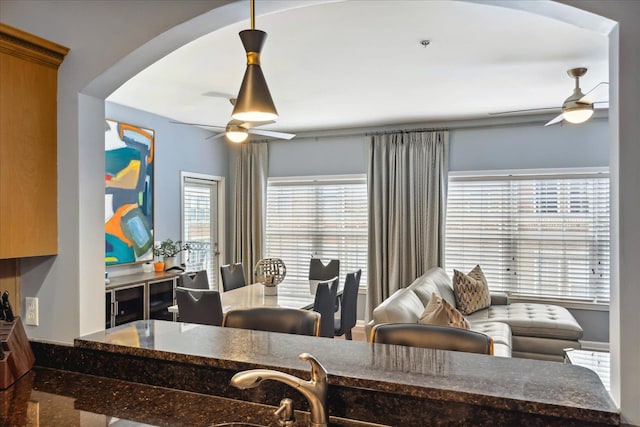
31, 311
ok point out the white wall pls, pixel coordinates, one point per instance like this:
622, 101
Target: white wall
101, 35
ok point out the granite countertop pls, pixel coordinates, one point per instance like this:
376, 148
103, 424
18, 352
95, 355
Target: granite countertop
47, 397
510, 384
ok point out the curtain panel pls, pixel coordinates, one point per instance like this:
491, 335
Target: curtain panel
249, 205
407, 178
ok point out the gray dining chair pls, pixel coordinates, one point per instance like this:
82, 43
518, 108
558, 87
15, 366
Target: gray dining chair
274, 319
319, 271
349, 305
432, 336
194, 280
202, 306
232, 276
324, 303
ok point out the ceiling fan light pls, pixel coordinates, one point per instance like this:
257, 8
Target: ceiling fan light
236, 133
578, 114
254, 102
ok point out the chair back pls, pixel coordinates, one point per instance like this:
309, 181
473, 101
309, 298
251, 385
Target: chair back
323, 304
194, 280
199, 306
319, 271
432, 336
232, 276
274, 319
348, 313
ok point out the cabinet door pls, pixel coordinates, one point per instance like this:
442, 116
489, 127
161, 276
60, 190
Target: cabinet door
129, 304
161, 297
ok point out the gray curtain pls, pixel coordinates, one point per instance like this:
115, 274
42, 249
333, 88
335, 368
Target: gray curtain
249, 205
407, 197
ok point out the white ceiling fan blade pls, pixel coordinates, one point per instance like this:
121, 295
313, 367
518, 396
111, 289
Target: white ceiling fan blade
555, 120
197, 124
215, 94
599, 93
248, 125
601, 105
216, 136
524, 111
274, 134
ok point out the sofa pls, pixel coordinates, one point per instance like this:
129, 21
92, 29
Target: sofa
535, 331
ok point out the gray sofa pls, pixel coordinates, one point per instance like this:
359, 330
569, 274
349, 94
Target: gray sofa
535, 331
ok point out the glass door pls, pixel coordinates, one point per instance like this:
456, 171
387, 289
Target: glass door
200, 216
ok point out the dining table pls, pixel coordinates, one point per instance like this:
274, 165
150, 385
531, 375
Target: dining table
288, 294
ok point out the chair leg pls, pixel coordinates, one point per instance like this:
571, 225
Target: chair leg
347, 334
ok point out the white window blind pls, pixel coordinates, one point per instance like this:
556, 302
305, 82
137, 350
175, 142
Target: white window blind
534, 236
321, 217
199, 214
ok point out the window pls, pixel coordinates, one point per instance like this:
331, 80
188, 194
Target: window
535, 236
200, 223
322, 217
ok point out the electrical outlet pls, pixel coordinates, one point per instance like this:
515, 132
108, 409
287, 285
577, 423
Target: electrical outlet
31, 311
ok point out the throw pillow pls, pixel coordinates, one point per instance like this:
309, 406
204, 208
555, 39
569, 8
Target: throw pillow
471, 290
440, 312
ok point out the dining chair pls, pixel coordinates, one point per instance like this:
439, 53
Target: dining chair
232, 276
274, 319
324, 303
319, 271
432, 336
199, 306
349, 305
194, 280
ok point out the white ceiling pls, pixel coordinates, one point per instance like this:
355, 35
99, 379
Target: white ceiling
360, 63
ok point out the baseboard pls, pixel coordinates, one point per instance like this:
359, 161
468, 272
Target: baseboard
594, 345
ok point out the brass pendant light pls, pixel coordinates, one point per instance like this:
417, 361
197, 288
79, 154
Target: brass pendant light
254, 103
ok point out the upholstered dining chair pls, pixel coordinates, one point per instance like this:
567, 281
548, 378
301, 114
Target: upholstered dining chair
274, 319
348, 312
319, 271
432, 336
194, 280
232, 276
324, 303
199, 306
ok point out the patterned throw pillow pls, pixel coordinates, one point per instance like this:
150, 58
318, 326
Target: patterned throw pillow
440, 312
471, 290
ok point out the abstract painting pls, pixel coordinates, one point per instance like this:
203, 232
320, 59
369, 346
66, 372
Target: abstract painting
128, 214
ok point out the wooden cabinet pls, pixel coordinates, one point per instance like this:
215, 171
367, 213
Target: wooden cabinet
28, 143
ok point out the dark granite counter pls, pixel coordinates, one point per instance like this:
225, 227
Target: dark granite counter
46, 397
369, 382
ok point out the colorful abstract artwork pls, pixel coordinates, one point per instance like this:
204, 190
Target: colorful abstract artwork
128, 214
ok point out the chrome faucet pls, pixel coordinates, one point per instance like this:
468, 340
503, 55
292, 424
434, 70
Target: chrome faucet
314, 390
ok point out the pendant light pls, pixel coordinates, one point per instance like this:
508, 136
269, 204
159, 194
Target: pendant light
254, 103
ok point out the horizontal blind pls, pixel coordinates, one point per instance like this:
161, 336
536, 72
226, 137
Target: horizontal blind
199, 207
533, 236
323, 218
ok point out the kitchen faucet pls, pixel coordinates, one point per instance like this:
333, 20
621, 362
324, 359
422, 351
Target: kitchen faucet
315, 390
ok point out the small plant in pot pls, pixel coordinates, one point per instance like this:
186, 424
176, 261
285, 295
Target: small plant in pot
168, 250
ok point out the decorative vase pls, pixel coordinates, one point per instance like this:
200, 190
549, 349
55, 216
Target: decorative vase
158, 266
170, 261
270, 272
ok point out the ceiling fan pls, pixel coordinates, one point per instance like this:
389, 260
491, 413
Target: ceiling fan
238, 131
578, 107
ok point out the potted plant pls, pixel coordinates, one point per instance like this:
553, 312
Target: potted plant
168, 250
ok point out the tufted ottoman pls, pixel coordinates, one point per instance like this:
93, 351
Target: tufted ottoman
539, 331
